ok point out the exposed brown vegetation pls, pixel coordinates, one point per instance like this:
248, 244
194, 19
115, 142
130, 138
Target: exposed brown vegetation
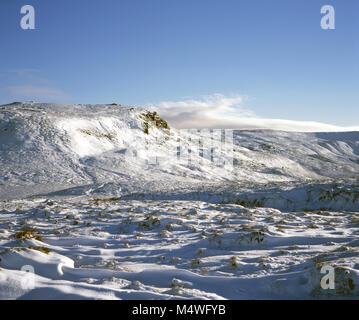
28, 233
153, 119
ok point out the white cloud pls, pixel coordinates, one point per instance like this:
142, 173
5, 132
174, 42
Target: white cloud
207, 112
218, 111
36, 93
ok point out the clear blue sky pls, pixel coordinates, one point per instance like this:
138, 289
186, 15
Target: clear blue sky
146, 51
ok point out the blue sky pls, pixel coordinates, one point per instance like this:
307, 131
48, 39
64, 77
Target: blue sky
140, 52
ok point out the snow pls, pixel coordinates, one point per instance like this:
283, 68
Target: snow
86, 204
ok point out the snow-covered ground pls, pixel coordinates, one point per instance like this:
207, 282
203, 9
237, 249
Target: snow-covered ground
101, 203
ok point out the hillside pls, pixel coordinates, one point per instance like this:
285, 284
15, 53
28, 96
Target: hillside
96, 200
110, 149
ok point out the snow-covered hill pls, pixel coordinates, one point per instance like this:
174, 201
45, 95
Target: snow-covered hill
111, 149
108, 202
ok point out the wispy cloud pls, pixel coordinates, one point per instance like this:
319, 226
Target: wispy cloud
25, 72
219, 111
37, 93
22, 84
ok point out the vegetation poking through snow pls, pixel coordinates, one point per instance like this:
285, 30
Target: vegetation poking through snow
152, 119
155, 240
97, 134
28, 233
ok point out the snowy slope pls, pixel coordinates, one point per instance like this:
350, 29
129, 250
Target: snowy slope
50, 147
96, 201
77, 149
